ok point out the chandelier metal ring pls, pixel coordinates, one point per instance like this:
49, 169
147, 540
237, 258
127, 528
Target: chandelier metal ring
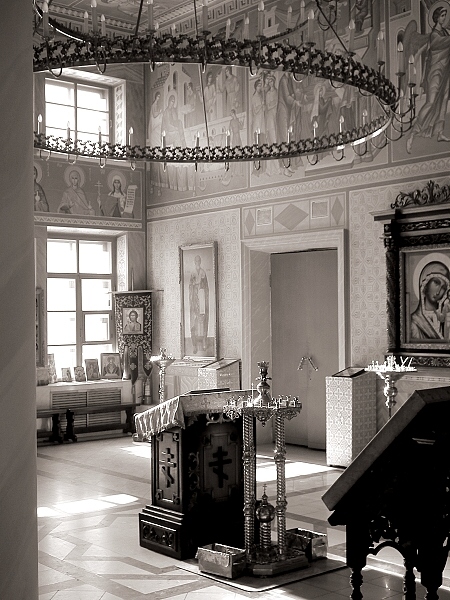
262, 53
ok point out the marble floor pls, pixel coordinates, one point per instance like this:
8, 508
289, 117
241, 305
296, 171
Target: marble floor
89, 497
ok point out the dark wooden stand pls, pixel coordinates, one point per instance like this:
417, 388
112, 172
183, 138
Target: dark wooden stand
196, 490
397, 493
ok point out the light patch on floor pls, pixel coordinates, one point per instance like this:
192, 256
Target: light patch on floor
119, 499
83, 506
295, 469
144, 450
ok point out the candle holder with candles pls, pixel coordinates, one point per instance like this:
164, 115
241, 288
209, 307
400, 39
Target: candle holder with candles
391, 372
276, 558
163, 361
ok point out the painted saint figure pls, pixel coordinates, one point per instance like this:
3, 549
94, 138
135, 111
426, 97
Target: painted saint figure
230, 90
198, 306
132, 325
286, 101
210, 94
427, 321
74, 201
171, 125
111, 367
191, 117
40, 199
114, 204
435, 81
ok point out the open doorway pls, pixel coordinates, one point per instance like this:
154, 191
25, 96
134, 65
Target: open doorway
257, 334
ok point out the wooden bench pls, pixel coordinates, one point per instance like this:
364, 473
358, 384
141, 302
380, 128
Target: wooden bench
55, 414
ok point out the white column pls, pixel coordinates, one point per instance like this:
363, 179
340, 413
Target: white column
18, 523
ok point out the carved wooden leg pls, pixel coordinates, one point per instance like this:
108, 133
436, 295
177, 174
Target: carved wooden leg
70, 433
432, 594
409, 581
57, 435
356, 580
433, 557
129, 423
357, 547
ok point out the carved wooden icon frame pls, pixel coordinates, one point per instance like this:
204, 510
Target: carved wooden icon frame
417, 241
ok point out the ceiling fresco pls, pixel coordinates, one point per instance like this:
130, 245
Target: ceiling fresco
124, 10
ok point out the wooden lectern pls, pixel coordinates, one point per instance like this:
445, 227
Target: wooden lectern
397, 493
197, 494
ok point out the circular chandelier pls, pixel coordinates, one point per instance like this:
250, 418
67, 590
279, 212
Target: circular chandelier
69, 49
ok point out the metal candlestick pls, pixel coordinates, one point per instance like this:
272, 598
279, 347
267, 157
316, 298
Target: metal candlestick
391, 372
266, 560
163, 361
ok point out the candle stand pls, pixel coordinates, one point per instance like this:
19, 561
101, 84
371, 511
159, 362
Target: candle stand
265, 559
163, 361
391, 372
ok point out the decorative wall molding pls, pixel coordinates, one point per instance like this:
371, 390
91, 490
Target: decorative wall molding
355, 179
84, 222
297, 216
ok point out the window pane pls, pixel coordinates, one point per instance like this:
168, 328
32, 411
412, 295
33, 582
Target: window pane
65, 356
96, 328
93, 98
82, 136
61, 327
59, 132
94, 351
58, 116
61, 256
91, 120
61, 92
96, 294
95, 257
61, 294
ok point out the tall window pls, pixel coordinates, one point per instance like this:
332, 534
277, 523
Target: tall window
79, 300
84, 109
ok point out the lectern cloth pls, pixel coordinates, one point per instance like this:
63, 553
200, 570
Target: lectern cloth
173, 412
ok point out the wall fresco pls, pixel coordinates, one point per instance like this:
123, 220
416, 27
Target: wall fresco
84, 189
424, 31
175, 96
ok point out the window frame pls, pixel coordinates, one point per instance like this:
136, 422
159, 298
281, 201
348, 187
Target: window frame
78, 277
74, 126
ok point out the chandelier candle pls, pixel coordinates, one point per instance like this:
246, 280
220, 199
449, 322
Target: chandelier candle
45, 19
94, 16
310, 34
150, 15
261, 18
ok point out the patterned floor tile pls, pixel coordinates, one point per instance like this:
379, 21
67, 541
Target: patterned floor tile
95, 555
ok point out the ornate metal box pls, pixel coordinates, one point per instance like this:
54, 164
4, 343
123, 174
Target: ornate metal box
218, 559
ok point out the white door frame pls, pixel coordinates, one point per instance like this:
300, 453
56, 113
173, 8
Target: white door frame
295, 242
